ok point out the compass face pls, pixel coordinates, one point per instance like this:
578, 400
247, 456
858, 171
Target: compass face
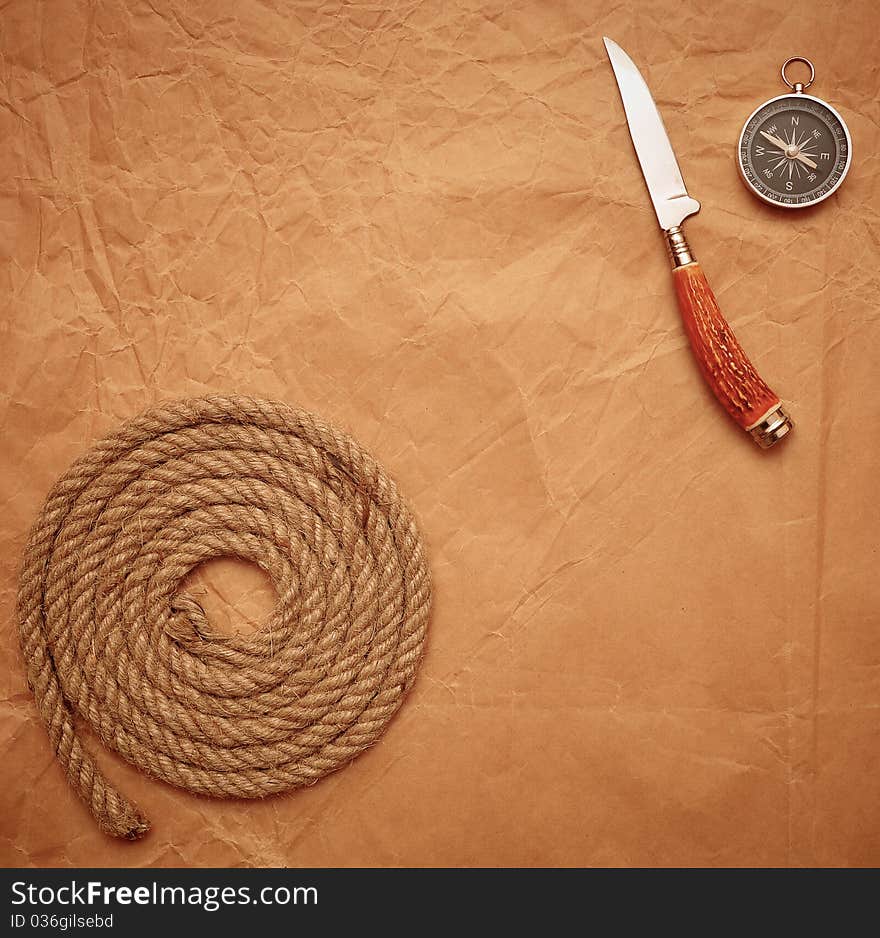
794, 151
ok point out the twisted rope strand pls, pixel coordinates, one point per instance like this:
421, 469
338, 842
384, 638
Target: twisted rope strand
108, 638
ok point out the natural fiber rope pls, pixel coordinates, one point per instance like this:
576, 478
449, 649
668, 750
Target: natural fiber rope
108, 639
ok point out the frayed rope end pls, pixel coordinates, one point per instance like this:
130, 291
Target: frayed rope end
130, 824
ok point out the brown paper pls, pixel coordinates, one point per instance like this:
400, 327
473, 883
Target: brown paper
651, 642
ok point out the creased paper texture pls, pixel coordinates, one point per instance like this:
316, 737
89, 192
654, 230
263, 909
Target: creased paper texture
651, 642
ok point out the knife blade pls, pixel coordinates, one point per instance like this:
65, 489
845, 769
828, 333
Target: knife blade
722, 362
659, 165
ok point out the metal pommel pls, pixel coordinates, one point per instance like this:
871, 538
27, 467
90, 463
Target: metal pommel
771, 428
678, 248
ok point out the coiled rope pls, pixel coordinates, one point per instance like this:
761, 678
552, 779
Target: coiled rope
108, 639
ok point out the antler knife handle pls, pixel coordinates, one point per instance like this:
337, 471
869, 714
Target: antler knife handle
725, 366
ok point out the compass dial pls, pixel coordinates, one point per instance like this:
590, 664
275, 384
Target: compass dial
794, 151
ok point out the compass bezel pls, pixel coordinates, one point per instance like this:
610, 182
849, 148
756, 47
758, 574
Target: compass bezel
794, 97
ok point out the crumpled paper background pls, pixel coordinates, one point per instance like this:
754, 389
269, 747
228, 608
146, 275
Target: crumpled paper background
651, 642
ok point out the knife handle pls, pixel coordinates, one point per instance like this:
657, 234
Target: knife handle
725, 366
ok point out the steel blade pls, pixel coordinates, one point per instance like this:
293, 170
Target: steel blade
659, 166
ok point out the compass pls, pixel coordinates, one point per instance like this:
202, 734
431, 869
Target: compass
795, 149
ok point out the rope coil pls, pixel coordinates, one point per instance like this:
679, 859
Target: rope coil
109, 640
